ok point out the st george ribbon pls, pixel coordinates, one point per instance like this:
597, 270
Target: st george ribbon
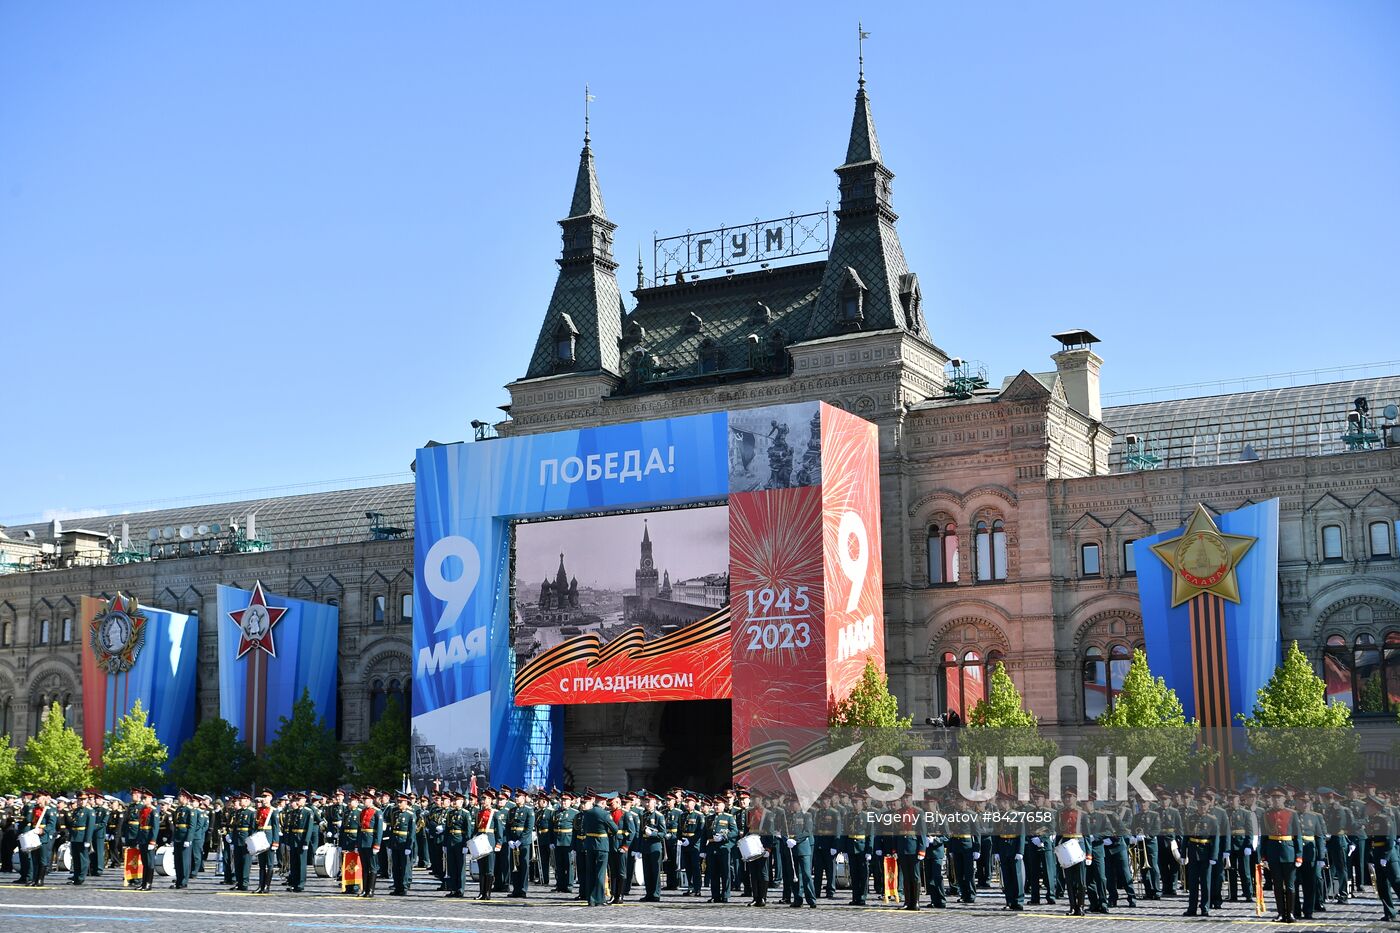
272, 649
1214, 581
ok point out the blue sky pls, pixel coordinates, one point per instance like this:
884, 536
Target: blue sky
258, 244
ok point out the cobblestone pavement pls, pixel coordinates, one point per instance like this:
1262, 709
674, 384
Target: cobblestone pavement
103, 904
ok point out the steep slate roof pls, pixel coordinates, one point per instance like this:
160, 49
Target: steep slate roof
1286, 422
728, 313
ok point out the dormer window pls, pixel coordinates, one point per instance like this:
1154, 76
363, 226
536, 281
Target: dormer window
709, 355
852, 299
565, 342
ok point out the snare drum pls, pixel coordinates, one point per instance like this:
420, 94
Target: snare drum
1069, 852
28, 841
750, 847
165, 861
480, 846
64, 857
327, 861
257, 843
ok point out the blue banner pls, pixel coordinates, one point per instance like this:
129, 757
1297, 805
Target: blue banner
271, 649
1251, 625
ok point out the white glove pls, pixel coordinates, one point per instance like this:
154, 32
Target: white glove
921, 856
1037, 842
1212, 861
152, 845
1350, 851
441, 828
1108, 840
1383, 861
1248, 851
976, 856
684, 843
637, 856
791, 843
719, 837
515, 843
879, 852
1018, 856
867, 856
833, 851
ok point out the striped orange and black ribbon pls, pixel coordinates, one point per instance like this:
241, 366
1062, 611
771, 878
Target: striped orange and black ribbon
1210, 669
255, 700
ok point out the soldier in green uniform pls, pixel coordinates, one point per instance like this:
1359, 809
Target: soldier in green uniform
1312, 836
801, 837
692, 836
1145, 826
671, 810
244, 824
827, 822
401, 828
563, 830
1341, 838
434, 832
370, 839
544, 836
267, 822
503, 861
1380, 831
651, 837
1009, 848
520, 835
1281, 849
181, 835
1243, 851
964, 848
859, 843
81, 825
906, 841
101, 813
456, 833
1040, 849
596, 830
296, 831
585, 800
721, 832
490, 822
1203, 849
347, 822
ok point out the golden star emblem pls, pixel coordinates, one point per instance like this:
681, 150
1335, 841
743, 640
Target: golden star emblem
1203, 559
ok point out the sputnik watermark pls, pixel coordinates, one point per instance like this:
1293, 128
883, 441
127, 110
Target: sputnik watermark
977, 782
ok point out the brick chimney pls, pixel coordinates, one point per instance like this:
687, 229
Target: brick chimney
1078, 366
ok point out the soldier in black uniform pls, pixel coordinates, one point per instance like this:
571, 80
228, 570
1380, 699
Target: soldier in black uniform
1203, 847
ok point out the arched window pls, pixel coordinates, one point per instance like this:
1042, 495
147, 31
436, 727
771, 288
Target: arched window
1089, 560
67, 633
6, 713
1103, 677
43, 631
1379, 533
406, 608
942, 554
380, 602
377, 701
1331, 542
7, 632
964, 680
991, 550
1363, 675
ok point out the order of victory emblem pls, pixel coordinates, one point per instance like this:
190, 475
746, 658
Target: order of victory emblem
117, 633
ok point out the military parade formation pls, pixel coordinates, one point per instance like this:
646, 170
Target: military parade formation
1309, 848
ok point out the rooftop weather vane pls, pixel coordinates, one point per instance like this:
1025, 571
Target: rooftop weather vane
587, 99
861, 36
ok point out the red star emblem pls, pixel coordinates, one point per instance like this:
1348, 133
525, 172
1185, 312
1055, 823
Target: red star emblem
255, 623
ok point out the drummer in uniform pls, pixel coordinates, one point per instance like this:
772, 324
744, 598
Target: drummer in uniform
181, 835
266, 822
80, 826
1282, 845
147, 830
1072, 823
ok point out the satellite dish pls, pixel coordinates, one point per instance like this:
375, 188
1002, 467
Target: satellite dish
214, 529
204, 529
186, 532
1392, 412
168, 532
153, 534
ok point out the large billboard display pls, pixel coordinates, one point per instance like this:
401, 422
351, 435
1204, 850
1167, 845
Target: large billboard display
732, 554
631, 608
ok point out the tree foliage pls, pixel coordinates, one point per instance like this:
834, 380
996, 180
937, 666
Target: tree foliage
1294, 735
1147, 720
869, 714
55, 758
132, 755
383, 758
304, 754
214, 759
9, 765
1000, 726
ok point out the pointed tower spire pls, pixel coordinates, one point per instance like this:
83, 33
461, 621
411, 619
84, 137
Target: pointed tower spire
583, 325
867, 284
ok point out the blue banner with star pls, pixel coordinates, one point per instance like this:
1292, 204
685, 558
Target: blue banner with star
1219, 576
272, 649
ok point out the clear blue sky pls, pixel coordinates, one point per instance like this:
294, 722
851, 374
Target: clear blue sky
254, 244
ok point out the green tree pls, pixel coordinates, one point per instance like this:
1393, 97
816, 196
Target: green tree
304, 753
868, 714
9, 765
213, 759
132, 755
1147, 720
1294, 735
54, 758
383, 758
1000, 726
